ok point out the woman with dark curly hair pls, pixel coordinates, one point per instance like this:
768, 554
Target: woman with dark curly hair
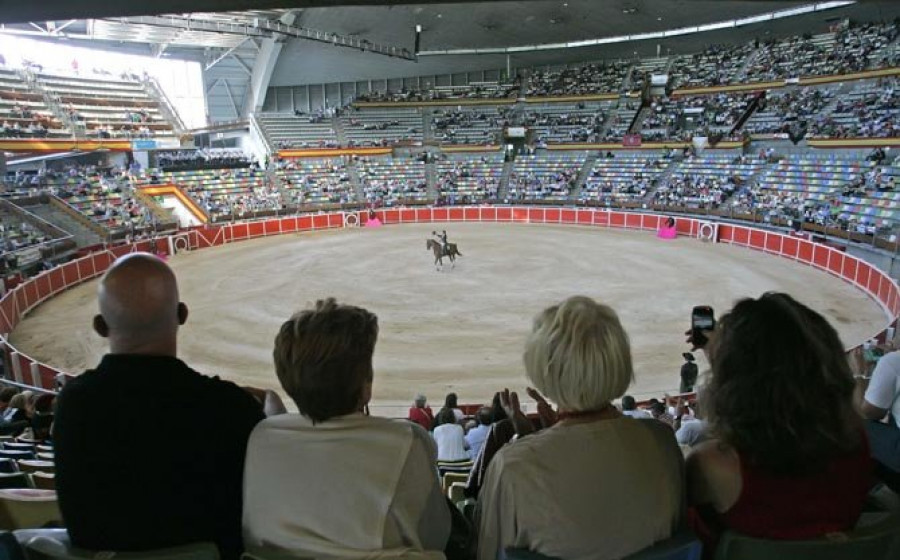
790, 459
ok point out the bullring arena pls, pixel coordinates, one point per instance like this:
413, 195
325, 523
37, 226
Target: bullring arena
462, 329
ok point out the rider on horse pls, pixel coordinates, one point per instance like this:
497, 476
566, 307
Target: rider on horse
442, 239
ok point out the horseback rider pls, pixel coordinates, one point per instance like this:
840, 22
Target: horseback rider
442, 239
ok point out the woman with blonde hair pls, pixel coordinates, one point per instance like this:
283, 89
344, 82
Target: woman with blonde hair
596, 484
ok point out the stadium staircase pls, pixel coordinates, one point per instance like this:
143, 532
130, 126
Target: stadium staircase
427, 125
52, 103
355, 180
503, 190
638, 122
67, 218
431, 180
748, 63
626, 83
164, 216
582, 177
337, 124
662, 179
166, 109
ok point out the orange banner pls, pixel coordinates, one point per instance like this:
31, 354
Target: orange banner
51, 145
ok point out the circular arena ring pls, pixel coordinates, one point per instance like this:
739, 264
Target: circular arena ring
621, 238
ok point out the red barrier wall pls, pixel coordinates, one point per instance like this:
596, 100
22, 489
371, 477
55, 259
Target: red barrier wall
22, 299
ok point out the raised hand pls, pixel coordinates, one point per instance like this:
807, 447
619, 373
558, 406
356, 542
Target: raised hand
546, 413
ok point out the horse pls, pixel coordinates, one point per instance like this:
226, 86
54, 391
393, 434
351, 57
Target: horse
451, 251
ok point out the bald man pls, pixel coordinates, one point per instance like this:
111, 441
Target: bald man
150, 453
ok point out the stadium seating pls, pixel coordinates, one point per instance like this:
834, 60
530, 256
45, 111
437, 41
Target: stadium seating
683, 117
707, 181
108, 106
388, 181
556, 123
285, 130
28, 508
383, 126
226, 193
23, 111
878, 541
715, 65
624, 178
545, 177
469, 125
871, 110
580, 79
316, 181
104, 200
779, 111
471, 177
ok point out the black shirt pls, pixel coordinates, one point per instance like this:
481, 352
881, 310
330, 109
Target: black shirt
150, 454
689, 373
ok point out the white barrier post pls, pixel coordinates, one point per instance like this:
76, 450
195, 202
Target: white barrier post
36, 375
17, 367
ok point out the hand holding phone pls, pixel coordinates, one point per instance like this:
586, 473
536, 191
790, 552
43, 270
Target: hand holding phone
703, 319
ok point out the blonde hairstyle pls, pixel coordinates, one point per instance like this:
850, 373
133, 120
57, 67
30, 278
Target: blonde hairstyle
323, 358
578, 355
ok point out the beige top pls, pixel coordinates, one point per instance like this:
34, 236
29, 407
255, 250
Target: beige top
594, 490
350, 487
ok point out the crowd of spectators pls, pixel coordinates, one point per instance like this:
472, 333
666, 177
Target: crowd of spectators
874, 115
469, 126
584, 79
696, 191
206, 158
578, 126
790, 109
715, 65
483, 90
534, 184
474, 185
681, 117
272, 481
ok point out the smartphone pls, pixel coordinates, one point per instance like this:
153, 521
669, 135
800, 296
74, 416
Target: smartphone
702, 319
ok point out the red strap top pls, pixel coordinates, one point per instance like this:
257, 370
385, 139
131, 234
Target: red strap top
793, 508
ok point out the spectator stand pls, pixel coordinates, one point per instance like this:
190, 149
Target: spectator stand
195, 160
559, 123
708, 180
107, 107
469, 178
23, 112
809, 189
548, 177
479, 125
308, 181
625, 179
298, 130
870, 110
388, 181
27, 241
383, 126
224, 194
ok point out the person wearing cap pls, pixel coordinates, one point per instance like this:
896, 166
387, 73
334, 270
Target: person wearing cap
689, 374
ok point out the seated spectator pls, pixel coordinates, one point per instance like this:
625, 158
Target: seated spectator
790, 460
629, 408
331, 481
6, 394
882, 402
500, 434
542, 491
421, 414
450, 438
14, 418
691, 429
149, 453
476, 436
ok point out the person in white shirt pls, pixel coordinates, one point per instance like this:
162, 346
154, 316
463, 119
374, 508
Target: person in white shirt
477, 435
629, 408
596, 484
882, 396
332, 481
450, 438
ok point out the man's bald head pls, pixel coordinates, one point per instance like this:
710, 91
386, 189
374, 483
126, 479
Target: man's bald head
139, 308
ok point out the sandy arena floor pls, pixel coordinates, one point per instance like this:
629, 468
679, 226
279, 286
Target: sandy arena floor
460, 330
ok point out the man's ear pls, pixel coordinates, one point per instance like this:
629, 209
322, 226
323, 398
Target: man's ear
182, 313
100, 326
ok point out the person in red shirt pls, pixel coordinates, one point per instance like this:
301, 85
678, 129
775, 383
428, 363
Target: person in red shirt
789, 459
421, 414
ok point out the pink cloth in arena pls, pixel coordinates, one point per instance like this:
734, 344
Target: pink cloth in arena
666, 233
374, 222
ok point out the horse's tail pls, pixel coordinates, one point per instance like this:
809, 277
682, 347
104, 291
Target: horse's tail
457, 251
